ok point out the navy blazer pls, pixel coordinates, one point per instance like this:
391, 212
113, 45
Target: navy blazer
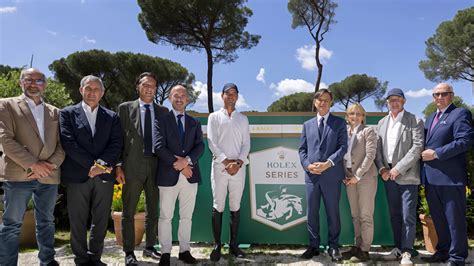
82, 149
333, 146
167, 145
451, 139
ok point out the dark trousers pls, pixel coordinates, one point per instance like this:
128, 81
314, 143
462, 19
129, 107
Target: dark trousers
131, 191
93, 197
448, 210
331, 194
402, 202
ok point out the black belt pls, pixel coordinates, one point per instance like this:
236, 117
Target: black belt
390, 165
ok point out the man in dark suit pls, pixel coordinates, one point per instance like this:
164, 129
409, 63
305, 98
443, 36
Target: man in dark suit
179, 145
91, 136
322, 148
449, 135
137, 167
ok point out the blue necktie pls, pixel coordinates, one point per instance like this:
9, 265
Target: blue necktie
180, 129
321, 127
147, 138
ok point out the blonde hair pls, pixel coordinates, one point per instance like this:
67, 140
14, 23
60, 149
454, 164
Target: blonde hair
353, 108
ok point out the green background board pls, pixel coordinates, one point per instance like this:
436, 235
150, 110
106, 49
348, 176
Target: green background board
252, 231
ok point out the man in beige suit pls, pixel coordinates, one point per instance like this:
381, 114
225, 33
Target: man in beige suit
30, 140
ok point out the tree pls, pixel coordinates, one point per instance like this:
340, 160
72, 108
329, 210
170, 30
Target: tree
217, 26
55, 92
316, 16
296, 102
358, 87
431, 108
450, 51
118, 72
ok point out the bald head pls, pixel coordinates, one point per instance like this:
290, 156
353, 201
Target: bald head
443, 95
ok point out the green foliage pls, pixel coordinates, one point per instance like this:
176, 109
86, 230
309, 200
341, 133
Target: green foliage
54, 93
296, 102
450, 51
216, 26
431, 108
358, 87
118, 72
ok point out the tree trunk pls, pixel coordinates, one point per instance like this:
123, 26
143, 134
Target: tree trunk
320, 70
210, 64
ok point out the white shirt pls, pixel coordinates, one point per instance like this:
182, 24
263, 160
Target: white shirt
91, 115
393, 132
176, 113
228, 136
142, 119
38, 115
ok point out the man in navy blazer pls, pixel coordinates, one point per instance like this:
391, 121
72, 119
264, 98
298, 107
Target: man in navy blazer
178, 144
449, 135
322, 148
91, 136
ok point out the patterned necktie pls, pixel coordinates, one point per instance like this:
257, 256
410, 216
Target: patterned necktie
435, 121
180, 130
321, 127
147, 138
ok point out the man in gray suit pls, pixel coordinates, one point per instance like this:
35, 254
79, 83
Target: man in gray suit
136, 169
399, 147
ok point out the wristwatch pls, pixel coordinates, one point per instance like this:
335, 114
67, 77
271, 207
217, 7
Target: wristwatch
102, 165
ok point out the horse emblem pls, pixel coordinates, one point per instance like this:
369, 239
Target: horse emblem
280, 204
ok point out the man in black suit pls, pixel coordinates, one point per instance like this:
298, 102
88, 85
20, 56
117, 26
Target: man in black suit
137, 167
178, 143
91, 136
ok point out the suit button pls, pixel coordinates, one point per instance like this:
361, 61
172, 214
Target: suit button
183, 151
353, 163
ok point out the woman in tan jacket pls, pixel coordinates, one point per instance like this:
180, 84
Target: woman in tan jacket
360, 181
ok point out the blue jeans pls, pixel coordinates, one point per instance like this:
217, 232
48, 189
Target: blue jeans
16, 197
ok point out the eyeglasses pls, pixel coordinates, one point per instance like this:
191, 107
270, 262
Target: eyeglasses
442, 94
356, 114
31, 81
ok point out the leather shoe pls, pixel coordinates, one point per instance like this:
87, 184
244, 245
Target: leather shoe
216, 253
186, 257
335, 254
165, 259
436, 258
452, 263
310, 252
151, 253
53, 263
350, 253
131, 260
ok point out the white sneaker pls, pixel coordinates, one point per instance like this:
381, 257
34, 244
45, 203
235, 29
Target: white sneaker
406, 259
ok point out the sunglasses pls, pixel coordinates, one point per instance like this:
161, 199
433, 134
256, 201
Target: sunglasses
442, 94
31, 81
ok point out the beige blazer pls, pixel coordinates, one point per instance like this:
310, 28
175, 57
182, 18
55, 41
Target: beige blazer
363, 152
22, 143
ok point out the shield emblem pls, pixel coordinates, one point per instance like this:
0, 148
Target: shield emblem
277, 188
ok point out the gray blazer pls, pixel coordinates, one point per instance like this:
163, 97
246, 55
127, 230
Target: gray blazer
363, 152
406, 157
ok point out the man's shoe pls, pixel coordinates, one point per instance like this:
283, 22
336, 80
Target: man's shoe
452, 263
395, 254
151, 253
186, 257
236, 251
335, 254
406, 259
53, 263
363, 256
165, 259
436, 258
216, 253
131, 260
310, 252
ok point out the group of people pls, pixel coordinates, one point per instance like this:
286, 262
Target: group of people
147, 147
405, 153
88, 148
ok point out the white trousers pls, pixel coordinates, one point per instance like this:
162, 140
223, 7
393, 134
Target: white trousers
222, 182
185, 192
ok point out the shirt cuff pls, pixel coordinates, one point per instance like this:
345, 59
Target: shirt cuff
332, 163
358, 178
190, 162
435, 155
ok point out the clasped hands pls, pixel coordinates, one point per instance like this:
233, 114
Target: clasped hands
182, 165
41, 169
96, 170
391, 174
318, 168
232, 166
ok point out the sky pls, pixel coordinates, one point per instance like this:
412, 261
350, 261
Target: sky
381, 38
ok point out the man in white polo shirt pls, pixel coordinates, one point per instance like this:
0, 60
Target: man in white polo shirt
228, 134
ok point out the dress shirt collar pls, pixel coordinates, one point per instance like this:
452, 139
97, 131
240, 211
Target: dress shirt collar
87, 108
226, 113
354, 130
176, 113
444, 109
32, 103
399, 116
142, 104
326, 116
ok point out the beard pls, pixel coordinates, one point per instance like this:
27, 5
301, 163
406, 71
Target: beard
32, 92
